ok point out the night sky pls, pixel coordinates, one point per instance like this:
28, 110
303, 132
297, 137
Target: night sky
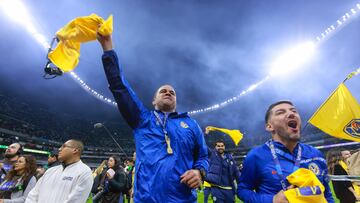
208, 50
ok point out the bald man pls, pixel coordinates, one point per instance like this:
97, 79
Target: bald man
69, 182
170, 147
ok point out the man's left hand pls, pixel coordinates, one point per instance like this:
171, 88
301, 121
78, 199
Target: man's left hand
191, 178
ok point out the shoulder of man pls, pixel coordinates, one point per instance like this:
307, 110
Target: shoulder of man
258, 151
314, 160
84, 167
310, 151
53, 169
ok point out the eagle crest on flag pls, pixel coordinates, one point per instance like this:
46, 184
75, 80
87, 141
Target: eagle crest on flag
353, 128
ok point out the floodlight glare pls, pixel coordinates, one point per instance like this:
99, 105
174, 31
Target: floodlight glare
293, 58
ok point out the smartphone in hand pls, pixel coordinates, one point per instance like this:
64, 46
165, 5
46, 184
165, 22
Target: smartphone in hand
111, 172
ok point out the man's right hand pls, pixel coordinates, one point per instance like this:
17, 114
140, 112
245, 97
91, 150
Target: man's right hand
280, 197
105, 41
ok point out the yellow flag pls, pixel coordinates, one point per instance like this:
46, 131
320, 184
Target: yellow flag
339, 115
235, 135
308, 189
82, 29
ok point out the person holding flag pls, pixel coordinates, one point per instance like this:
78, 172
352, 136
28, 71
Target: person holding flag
282, 169
223, 171
171, 151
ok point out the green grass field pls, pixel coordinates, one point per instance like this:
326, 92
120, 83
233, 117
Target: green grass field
201, 197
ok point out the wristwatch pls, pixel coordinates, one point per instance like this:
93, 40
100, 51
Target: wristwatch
202, 173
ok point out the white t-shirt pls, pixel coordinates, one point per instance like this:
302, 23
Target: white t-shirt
59, 185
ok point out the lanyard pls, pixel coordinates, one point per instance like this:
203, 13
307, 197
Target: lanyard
163, 126
270, 144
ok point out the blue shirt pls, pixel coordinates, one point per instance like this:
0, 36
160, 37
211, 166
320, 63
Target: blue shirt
259, 181
157, 174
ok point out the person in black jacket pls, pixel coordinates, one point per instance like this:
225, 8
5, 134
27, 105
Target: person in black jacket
111, 182
344, 190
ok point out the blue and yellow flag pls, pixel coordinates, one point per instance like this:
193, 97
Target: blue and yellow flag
235, 135
339, 115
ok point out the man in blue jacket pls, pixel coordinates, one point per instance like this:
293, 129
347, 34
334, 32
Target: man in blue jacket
222, 173
263, 177
170, 146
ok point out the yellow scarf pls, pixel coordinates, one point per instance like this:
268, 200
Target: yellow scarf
82, 29
309, 188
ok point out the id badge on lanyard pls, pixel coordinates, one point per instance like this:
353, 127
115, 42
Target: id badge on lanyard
270, 144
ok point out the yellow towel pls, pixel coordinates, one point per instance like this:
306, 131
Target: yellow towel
82, 29
309, 188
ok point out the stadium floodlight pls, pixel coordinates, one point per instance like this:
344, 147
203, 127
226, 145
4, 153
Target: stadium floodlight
17, 12
292, 58
101, 125
98, 125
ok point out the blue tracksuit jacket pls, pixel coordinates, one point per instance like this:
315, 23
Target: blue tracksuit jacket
157, 174
259, 181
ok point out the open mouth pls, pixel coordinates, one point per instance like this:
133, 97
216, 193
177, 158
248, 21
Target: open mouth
293, 124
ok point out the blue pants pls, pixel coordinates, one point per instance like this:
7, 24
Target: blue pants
222, 196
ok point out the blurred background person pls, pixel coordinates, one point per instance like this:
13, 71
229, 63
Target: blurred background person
344, 190
53, 159
19, 180
69, 182
112, 183
11, 156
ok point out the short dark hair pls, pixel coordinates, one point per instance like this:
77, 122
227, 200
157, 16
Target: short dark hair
78, 145
268, 111
219, 141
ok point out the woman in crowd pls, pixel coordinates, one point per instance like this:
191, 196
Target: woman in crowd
19, 181
112, 182
344, 190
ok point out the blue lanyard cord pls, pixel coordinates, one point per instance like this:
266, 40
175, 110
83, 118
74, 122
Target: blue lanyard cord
163, 126
270, 144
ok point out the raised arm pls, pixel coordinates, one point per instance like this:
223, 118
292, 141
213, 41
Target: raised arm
128, 103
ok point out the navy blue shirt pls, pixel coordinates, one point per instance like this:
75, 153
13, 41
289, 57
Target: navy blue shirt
259, 181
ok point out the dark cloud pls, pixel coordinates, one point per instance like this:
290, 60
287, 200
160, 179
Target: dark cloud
209, 51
